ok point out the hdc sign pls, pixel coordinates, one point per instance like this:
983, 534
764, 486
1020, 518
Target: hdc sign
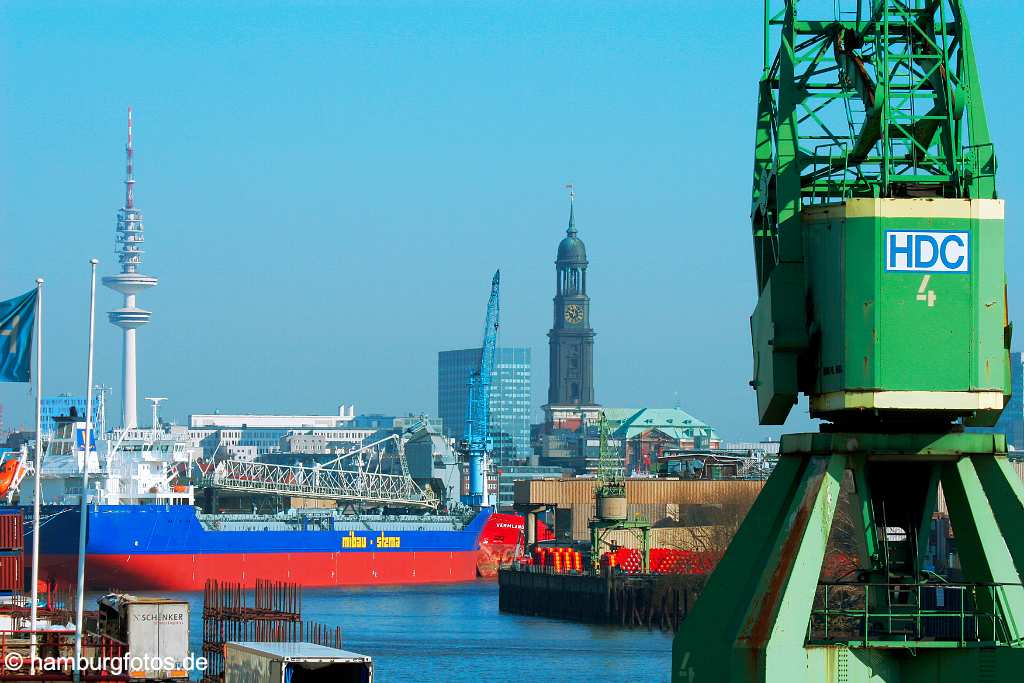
927, 251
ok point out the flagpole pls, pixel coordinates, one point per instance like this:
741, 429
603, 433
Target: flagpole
38, 465
80, 598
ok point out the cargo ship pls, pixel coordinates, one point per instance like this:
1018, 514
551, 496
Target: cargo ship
177, 548
144, 531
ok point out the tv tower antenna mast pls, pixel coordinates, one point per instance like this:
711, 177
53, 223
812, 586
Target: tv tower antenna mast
129, 282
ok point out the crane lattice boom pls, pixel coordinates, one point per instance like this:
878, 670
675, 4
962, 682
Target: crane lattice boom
362, 483
478, 410
331, 483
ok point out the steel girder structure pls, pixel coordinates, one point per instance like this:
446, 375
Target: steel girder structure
766, 614
881, 101
870, 127
350, 485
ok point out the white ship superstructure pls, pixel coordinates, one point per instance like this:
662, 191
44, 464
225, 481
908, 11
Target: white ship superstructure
127, 467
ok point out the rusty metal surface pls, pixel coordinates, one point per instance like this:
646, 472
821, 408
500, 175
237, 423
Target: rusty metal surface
12, 571
12, 531
271, 611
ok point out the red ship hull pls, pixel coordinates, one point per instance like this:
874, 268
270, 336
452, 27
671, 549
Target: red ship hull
190, 572
156, 548
502, 540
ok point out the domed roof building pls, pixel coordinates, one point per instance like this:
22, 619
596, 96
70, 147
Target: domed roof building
571, 249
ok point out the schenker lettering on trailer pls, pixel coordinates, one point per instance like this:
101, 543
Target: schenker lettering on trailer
163, 617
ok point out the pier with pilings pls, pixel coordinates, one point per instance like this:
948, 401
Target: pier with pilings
651, 601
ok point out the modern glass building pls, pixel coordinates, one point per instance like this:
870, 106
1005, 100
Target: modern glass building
1011, 422
510, 399
55, 406
388, 422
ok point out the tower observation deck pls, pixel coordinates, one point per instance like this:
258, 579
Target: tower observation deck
129, 238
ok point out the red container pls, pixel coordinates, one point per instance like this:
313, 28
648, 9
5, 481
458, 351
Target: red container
12, 572
12, 530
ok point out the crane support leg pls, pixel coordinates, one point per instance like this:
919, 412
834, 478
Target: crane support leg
768, 614
1005, 491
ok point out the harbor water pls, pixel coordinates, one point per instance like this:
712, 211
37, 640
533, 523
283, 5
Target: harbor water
455, 634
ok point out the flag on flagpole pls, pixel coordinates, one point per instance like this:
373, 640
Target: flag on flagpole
17, 321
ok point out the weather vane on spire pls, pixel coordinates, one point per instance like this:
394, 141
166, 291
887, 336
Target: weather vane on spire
572, 209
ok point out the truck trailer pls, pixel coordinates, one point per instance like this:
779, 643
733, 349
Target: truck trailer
248, 662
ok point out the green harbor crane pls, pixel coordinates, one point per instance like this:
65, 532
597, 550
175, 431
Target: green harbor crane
879, 252
610, 505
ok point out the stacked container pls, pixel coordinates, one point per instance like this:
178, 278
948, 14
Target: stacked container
12, 550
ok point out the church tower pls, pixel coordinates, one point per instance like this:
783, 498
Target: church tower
571, 339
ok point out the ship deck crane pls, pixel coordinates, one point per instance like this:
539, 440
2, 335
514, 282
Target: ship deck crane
364, 483
478, 404
879, 247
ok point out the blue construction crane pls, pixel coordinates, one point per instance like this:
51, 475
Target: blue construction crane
478, 408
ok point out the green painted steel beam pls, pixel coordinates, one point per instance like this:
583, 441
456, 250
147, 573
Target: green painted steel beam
703, 647
770, 573
924, 520
1005, 492
776, 621
983, 549
864, 517
903, 446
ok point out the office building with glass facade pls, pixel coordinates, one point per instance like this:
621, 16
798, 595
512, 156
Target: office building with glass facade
510, 399
55, 406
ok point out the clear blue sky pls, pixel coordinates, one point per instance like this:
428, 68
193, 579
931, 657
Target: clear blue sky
328, 187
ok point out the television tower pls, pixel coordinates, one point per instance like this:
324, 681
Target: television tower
129, 282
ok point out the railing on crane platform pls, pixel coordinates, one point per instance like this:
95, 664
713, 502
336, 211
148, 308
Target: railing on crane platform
909, 615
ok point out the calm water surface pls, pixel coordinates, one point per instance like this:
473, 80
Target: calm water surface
455, 634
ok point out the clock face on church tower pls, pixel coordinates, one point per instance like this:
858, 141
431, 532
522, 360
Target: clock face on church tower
574, 313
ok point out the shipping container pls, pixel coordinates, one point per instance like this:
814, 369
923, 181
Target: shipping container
12, 530
12, 570
247, 662
155, 631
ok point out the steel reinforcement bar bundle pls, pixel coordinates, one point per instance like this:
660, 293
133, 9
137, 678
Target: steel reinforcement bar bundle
273, 613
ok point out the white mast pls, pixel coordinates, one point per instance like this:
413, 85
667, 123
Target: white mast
80, 596
38, 464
